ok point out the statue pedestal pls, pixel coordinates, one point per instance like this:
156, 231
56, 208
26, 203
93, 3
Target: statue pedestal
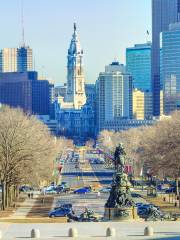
121, 214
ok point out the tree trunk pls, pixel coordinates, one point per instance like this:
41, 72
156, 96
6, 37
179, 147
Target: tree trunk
7, 196
3, 206
17, 192
13, 195
10, 196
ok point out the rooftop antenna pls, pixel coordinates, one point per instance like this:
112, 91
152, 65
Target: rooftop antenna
22, 22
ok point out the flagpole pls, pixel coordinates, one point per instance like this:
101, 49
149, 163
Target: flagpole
147, 36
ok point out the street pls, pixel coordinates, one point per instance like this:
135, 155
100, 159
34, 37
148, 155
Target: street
87, 174
97, 176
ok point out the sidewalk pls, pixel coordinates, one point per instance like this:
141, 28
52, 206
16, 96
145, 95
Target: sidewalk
11, 210
24, 208
41, 207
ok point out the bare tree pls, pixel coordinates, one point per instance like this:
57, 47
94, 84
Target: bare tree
27, 151
157, 147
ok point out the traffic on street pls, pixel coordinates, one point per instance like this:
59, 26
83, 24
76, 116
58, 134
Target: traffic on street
85, 186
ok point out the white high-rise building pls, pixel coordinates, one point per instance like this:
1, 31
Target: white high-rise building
114, 95
75, 74
16, 59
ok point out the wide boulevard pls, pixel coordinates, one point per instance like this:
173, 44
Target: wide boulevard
84, 173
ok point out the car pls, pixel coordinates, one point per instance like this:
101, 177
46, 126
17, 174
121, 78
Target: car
50, 191
62, 188
170, 190
60, 212
105, 190
59, 189
66, 206
25, 188
82, 190
139, 204
135, 195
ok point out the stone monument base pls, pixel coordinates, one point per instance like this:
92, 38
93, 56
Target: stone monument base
121, 214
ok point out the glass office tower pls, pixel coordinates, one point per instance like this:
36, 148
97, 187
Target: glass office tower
164, 12
171, 68
138, 63
24, 59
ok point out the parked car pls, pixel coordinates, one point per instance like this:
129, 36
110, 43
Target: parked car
61, 189
49, 189
105, 190
25, 188
60, 212
66, 205
82, 190
170, 190
135, 195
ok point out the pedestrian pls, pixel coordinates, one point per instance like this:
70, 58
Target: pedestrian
32, 194
29, 195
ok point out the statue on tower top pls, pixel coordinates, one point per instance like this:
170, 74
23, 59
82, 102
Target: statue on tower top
74, 27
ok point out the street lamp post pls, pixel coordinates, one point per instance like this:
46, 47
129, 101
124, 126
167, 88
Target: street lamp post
141, 175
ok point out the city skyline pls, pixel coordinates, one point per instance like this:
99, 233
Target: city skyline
107, 28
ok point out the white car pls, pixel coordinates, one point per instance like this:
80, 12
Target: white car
49, 190
105, 190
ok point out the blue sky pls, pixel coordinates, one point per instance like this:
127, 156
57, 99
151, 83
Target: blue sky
106, 28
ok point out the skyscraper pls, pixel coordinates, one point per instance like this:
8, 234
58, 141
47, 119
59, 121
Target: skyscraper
142, 104
138, 64
170, 68
90, 90
164, 12
25, 91
8, 60
114, 95
24, 59
16, 59
75, 75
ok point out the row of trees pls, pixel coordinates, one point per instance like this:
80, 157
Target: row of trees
156, 148
27, 152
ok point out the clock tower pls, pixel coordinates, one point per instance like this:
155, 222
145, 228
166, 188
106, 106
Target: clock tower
75, 75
